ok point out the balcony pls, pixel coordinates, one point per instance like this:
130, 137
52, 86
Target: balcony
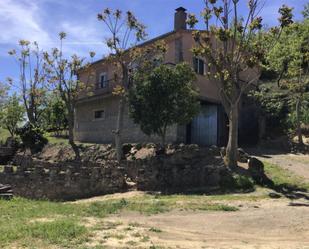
106, 87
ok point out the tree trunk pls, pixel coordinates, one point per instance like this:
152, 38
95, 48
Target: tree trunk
30, 116
232, 146
118, 131
163, 136
298, 122
71, 136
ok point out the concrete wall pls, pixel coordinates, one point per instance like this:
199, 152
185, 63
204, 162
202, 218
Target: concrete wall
88, 129
100, 131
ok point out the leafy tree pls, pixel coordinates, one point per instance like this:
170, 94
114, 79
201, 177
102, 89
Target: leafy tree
3, 93
121, 28
31, 84
290, 59
12, 114
234, 51
32, 137
162, 97
125, 33
62, 77
55, 114
305, 12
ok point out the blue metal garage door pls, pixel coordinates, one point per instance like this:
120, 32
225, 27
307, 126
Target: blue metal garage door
205, 126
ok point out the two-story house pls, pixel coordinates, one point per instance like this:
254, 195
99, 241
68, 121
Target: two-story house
96, 115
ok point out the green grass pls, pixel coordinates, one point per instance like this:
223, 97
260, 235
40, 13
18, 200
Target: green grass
58, 231
56, 140
20, 221
30, 223
284, 178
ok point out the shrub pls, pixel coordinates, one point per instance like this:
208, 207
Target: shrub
237, 182
32, 137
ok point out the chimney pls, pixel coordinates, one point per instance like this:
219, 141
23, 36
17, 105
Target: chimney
180, 19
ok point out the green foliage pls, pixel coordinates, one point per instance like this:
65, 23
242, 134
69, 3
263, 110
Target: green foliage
3, 93
234, 50
289, 56
32, 78
273, 104
55, 115
4, 134
162, 97
32, 137
305, 12
237, 182
11, 115
291, 120
63, 78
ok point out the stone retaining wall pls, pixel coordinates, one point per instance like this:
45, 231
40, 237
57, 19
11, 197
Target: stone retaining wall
63, 181
6, 153
182, 168
189, 168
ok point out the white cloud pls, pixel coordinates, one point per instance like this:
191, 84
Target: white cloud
83, 37
20, 20
29, 19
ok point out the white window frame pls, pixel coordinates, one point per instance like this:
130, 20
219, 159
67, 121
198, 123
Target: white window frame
104, 85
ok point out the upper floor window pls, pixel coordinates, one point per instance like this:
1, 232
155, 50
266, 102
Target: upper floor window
103, 80
99, 114
199, 66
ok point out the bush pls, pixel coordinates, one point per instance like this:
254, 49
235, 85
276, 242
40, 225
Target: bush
237, 182
304, 117
32, 137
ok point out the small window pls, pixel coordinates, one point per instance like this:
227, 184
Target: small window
199, 66
100, 114
103, 80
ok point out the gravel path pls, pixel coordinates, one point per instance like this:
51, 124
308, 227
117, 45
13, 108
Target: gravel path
270, 224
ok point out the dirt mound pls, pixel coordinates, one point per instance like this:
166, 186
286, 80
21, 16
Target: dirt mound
101, 152
63, 153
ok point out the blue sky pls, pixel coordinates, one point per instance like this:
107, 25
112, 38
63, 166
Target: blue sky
42, 20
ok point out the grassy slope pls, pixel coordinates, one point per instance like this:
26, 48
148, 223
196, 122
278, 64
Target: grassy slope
43, 224
56, 140
282, 177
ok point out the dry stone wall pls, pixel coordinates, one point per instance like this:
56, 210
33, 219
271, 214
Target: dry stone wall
63, 181
183, 168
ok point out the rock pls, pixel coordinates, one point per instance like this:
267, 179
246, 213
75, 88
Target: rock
126, 148
145, 153
222, 152
6, 192
242, 156
256, 169
160, 150
274, 195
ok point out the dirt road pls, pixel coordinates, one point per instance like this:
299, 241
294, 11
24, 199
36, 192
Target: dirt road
267, 223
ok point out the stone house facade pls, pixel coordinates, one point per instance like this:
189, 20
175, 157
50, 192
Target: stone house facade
96, 115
